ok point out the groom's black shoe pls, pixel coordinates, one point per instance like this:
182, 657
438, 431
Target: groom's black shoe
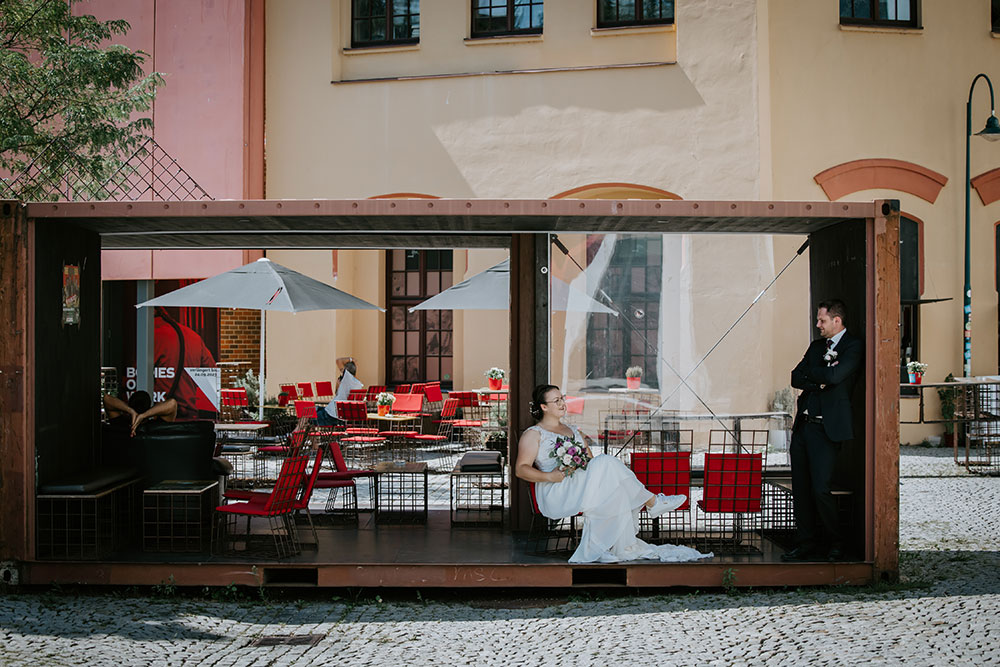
799, 553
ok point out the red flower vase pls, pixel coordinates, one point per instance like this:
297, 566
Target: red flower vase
633, 383
495, 383
383, 410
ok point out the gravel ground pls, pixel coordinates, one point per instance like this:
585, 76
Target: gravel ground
945, 611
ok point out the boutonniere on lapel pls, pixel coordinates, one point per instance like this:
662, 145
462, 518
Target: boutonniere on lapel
830, 357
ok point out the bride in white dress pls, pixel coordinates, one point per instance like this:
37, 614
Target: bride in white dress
606, 492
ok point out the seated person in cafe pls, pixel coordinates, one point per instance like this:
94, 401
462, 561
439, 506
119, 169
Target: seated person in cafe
138, 409
346, 383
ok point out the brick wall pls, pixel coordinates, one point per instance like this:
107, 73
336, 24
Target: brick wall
239, 343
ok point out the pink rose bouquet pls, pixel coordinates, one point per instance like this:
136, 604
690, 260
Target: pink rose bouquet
570, 455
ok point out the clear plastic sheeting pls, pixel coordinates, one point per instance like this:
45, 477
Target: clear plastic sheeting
676, 303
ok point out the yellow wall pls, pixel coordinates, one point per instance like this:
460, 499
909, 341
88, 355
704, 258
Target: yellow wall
843, 94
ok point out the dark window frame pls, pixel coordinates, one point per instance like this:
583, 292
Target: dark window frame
389, 17
910, 294
995, 16
640, 20
424, 328
510, 29
874, 19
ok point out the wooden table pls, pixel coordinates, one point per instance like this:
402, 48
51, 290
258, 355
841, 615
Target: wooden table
240, 428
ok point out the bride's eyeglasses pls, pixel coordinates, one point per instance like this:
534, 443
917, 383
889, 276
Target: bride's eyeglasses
557, 400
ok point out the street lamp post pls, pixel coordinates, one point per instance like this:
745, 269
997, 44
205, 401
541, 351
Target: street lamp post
992, 133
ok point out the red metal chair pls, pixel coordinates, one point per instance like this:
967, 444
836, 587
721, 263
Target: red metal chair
342, 477
353, 413
434, 399
324, 390
291, 390
358, 395
668, 473
305, 389
733, 491
402, 389
550, 536
301, 502
305, 409
277, 509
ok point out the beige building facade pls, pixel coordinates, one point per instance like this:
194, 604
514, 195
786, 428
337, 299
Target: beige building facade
735, 100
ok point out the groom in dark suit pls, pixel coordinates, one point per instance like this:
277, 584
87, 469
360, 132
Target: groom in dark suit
823, 421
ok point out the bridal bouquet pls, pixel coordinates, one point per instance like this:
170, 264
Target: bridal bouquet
571, 455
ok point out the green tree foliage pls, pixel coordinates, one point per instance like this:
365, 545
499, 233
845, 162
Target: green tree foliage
70, 99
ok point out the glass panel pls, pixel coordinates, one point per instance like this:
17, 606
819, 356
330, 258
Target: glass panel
446, 342
446, 369
432, 317
398, 369
398, 280
362, 33
675, 298
446, 317
433, 283
413, 320
378, 31
412, 283
862, 9
606, 11
398, 317
378, 8
447, 258
412, 260
433, 374
903, 10
398, 260
413, 369
362, 8
846, 9
626, 10
400, 28
445, 280
397, 342
412, 342
433, 343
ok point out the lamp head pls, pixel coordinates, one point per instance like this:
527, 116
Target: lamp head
992, 130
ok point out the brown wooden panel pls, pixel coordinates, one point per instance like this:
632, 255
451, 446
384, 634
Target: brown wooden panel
16, 404
882, 489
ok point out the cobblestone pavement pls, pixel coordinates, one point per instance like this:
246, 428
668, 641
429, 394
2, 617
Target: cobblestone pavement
946, 611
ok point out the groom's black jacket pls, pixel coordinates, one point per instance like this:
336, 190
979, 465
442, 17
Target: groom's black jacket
836, 380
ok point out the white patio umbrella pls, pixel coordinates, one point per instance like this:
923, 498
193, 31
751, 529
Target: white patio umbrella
490, 290
262, 285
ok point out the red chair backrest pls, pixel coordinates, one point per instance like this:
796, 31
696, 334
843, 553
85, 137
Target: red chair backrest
352, 411
417, 389
305, 409
286, 489
432, 390
534, 500
408, 403
450, 408
296, 439
374, 390
664, 472
338, 457
732, 482
356, 395
402, 389
305, 389
289, 389
307, 488
324, 388
466, 399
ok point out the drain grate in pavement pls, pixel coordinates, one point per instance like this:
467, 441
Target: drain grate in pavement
287, 640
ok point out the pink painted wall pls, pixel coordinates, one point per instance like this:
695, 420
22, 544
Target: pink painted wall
198, 115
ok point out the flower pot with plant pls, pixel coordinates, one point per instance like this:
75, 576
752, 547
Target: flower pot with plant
916, 371
633, 376
495, 376
949, 400
384, 401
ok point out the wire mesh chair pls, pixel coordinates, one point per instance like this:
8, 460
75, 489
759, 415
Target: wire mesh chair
732, 495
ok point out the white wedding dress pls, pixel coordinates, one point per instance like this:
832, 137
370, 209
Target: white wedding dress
610, 497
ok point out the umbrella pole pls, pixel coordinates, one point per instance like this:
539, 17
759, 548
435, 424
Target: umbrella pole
260, 383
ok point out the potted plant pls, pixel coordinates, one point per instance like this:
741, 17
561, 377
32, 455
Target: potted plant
916, 371
384, 401
948, 397
495, 376
282, 399
633, 376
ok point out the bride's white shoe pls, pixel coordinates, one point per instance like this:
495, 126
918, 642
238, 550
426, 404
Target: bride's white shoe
665, 503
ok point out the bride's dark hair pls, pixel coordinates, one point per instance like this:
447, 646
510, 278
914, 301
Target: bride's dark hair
537, 398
